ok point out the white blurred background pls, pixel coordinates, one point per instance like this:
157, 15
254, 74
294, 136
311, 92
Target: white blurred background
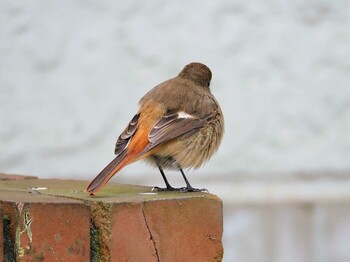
72, 73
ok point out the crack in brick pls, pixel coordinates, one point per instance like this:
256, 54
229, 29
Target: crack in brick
150, 233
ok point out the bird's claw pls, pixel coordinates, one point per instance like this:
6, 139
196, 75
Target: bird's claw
191, 189
165, 189
181, 189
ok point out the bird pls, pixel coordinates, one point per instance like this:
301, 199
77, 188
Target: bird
179, 125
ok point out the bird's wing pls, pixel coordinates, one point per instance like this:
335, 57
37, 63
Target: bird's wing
124, 138
173, 125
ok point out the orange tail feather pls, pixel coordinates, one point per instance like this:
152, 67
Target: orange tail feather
127, 156
107, 173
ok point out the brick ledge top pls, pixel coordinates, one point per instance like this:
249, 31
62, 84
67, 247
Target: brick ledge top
47, 190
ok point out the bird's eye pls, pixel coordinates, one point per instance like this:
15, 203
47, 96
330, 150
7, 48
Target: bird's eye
208, 84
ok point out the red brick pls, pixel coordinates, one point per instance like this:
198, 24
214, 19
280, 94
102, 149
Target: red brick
176, 229
186, 229
128, 225
130, 239
52, 229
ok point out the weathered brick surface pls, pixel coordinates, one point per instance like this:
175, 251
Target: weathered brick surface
50, 220
131, 239
186, 229
166, 227
45, 228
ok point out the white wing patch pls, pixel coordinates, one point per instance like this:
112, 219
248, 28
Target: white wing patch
184, 115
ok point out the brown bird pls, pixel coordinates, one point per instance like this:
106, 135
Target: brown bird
179, 125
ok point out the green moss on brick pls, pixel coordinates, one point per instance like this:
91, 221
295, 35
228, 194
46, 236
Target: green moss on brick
95, 248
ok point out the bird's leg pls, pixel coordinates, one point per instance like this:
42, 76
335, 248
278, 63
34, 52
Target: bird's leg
168, 186
188, 187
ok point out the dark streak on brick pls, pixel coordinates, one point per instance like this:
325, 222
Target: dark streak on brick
9, 247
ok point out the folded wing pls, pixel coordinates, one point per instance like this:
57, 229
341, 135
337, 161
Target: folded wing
173, 125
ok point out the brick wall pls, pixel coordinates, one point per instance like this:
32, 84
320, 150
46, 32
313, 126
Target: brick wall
53, 220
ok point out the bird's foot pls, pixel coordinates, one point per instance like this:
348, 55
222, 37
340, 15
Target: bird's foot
166, 189
192, 189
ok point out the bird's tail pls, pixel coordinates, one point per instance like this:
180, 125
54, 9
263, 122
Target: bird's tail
106, 174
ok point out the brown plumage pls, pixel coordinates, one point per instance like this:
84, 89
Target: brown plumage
179, 125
